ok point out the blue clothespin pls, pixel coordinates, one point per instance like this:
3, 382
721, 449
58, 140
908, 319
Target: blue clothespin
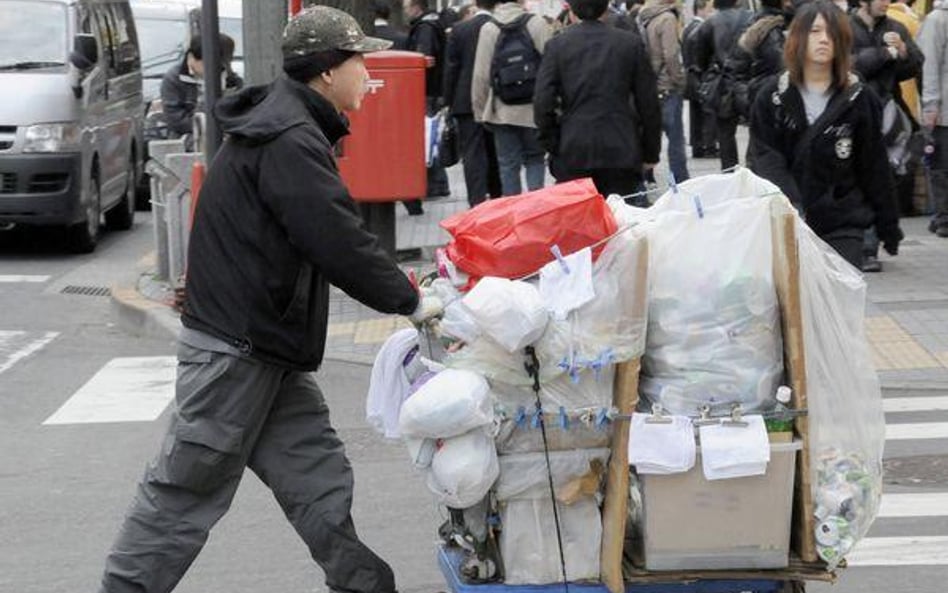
564, 419
536, 419
521, 418
602, 418
605, 358
555, 250
698, 207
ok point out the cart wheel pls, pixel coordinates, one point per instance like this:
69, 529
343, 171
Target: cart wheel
794, 587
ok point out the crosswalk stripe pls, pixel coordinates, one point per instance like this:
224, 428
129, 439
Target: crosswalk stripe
17, 345
124, 390
916, 431
16, 278
900, 551
915, 404
916, 504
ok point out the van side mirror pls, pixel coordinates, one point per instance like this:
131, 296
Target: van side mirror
85, 53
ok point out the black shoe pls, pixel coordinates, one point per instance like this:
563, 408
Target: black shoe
932, 227
871, 264
942, 231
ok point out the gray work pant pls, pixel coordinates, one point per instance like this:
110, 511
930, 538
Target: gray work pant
232, 413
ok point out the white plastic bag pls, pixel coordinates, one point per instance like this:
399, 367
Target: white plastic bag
451, 403
463, 469
714, 321
509, 311
526, 475
528, 542
844, 399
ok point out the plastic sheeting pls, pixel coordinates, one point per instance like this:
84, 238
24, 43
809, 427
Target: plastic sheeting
713, 319
844, 398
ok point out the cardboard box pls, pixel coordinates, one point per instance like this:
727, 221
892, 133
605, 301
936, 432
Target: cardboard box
691, 523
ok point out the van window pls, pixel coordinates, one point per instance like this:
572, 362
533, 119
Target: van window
33, 35
162, 43
127, 58
106, 25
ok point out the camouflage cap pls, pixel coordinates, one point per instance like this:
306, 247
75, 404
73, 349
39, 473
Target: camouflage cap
321, 28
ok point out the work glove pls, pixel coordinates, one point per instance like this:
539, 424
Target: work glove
429, 307
891, 239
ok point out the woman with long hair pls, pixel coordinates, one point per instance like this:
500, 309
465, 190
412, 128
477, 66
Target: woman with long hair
816, 134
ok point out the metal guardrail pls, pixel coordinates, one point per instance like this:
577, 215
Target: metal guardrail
170, 170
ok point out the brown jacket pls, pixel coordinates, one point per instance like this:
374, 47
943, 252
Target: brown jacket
659, 18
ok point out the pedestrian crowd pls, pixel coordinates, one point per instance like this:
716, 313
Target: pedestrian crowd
837, 111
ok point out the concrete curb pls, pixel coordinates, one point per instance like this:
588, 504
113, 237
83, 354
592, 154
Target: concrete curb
139, 315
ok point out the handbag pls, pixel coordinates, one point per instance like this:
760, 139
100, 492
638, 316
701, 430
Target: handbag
449, 143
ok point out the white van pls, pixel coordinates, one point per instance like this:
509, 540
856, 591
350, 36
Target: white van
70, 115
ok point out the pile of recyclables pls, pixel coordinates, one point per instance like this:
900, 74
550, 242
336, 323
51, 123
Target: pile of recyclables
506, 403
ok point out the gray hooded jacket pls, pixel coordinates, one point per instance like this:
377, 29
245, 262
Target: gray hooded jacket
933, 41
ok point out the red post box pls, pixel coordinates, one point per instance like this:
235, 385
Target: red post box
383, 157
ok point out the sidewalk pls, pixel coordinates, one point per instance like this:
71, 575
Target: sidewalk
906, 317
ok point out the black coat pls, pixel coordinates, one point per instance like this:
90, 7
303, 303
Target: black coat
275, 225
758, 56
398, 38
717, 36
179, 100
427, 36
459, 64
872, 61
842, 178
596, 104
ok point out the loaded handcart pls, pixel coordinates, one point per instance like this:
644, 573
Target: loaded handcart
678, 398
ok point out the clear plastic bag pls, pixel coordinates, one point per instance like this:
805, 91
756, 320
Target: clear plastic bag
588, 390
844, 399
604, 331
714, 320
529, 546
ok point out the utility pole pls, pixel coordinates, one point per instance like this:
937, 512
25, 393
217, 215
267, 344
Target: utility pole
263, 25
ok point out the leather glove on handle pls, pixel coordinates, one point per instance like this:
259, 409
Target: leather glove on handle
891, 240
429, 306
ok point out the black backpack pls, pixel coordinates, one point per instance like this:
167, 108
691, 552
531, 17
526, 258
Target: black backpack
513, 70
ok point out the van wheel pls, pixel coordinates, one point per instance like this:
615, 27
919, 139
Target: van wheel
84, 236
122, 216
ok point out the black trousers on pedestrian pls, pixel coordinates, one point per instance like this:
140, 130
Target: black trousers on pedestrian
727, 142
702, 135
231, 413
479, 160
849, 243
623, 182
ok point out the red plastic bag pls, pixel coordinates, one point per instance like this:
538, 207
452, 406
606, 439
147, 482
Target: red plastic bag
511, 237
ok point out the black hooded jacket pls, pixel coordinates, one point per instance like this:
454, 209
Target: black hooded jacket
841, 179
872, 61
275, 225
